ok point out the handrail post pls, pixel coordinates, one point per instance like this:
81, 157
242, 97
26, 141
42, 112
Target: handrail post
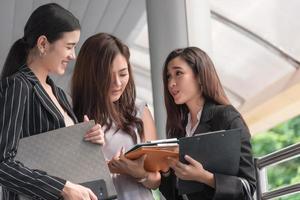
274, 158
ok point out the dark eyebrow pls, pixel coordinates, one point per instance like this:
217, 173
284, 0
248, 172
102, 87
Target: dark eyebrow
126, 68
176, 67
71, 43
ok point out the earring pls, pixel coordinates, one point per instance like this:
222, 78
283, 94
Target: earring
42, 53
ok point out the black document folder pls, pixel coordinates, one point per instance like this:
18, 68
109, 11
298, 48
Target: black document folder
64, 153
218, 152
153, 143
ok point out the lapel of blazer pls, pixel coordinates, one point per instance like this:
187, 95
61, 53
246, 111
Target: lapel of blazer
206, 116
42, 95
62, 99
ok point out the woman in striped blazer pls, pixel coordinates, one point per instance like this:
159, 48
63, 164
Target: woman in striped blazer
31, 103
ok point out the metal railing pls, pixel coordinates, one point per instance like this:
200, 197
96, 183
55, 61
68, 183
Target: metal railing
275, 158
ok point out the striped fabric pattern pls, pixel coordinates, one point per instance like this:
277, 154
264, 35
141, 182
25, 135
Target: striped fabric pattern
25, 110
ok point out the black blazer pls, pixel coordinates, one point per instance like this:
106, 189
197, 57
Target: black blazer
218, 117
25, 110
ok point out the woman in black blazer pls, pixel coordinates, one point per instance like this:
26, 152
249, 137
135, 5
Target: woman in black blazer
196, 103
31, 103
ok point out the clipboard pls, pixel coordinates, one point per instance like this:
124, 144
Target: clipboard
218, 152
64, 153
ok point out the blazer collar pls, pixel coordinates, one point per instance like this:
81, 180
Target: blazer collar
64, 103
29, 74
206, 116
44, 97
207, 112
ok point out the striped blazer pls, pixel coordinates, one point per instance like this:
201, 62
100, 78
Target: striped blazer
25, 110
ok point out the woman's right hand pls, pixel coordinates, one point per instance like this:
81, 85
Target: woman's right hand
73, 191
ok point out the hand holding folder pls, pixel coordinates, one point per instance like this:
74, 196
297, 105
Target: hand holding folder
218, 152
64, 153
156, 154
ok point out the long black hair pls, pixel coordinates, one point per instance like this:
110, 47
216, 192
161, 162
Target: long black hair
50, 20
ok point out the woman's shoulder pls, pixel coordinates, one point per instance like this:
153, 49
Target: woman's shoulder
226, 110
140, 106
223, 112
223, 117
16, 81
14, 87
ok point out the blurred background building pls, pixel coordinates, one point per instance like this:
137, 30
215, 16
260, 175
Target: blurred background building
253, 43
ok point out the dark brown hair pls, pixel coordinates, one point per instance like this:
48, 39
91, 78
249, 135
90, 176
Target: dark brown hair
209, 82
91, 81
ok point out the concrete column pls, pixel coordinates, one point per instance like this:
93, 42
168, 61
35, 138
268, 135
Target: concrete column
199, 24
173, 24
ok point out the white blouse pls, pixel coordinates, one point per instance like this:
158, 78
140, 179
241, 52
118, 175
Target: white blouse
189, 129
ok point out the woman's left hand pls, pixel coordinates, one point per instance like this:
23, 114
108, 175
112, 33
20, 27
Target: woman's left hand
134, 168
193, 171
95, 134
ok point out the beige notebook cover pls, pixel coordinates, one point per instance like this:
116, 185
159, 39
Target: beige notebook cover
64, 153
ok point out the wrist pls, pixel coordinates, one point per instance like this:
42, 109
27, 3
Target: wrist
66, 189
209, 179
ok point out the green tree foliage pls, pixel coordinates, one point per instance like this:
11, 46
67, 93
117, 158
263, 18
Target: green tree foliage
281, 136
